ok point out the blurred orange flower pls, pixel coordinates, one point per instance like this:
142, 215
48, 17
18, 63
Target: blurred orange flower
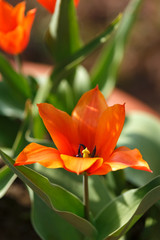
86, 140
50, 4
15, 27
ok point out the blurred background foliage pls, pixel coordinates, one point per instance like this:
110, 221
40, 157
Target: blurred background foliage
140, 72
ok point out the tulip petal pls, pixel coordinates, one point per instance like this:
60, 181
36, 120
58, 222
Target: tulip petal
35, 153
102, 170
124, 157
78, 164
61, 127
109, 129
87, 114
18, 12
50, 4
15, 32
6, 13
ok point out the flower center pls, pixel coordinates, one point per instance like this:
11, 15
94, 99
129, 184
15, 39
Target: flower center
85, 153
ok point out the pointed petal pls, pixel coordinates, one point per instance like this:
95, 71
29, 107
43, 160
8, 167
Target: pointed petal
61, 127
35, 153
109, 129
17, 27
18, 12
124, 157
76, 2
50, 4
6, 13
103, 170
79, 165
87, 114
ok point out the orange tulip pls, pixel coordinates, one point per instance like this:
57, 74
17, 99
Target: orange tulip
86, 140
15, 27
50, 4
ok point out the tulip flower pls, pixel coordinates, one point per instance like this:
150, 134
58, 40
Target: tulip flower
50, 4
15, 27
86, 140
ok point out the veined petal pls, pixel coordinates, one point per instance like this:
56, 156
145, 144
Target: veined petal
61, 127
87, 114
109, 129
35, 153
124, 157
78, 164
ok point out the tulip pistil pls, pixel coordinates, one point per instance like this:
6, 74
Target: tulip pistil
85, 152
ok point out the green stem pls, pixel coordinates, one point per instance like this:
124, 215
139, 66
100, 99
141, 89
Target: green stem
18, 63
86, 196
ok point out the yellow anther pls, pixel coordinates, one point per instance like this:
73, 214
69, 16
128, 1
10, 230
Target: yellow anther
86, 153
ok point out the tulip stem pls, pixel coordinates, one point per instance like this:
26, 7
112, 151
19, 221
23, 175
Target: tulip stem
18, 63
86, 196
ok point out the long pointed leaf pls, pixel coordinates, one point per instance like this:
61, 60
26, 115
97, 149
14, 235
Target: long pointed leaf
63, 35
120, 215
105, 71
7, 177
98, 193
56, 197
15, 80
76, 58
55, 227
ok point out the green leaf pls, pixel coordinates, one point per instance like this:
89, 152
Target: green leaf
105, 70
16, 81
20, 140
63, 35
57, 198
121, 214
49, 225
142, 131
8, 131
81, 83
66, 97
7, 177
9, 105
98, 193
62, 69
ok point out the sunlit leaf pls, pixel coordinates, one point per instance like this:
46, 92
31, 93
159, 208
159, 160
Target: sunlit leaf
7, 177
121, 214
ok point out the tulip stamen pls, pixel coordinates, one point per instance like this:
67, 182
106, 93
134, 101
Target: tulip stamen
93, 152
